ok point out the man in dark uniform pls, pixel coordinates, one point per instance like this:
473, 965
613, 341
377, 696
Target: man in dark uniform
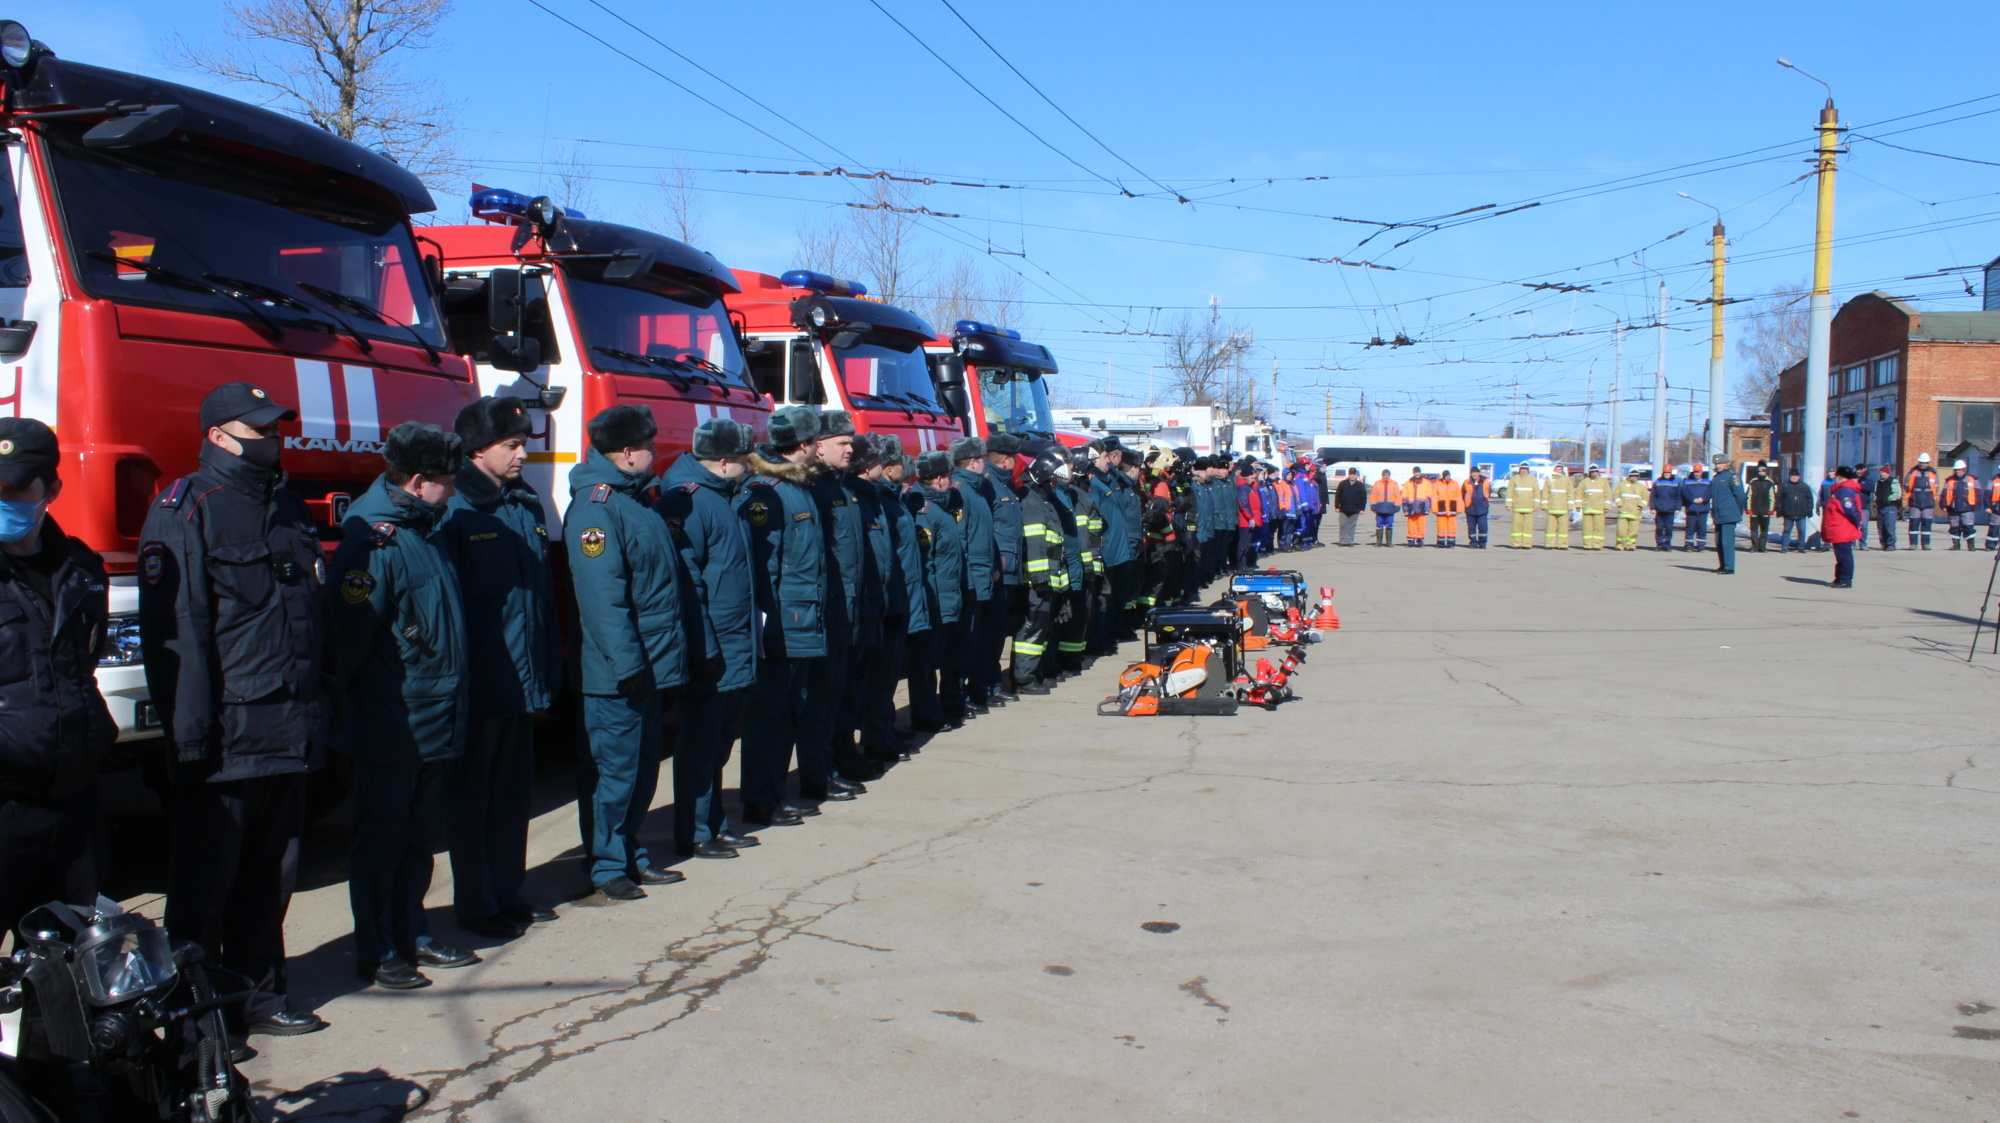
787, 573
699, 504
1045, 569
912, 600
845, 533
1090, 524
230, 575
498, 543
934, 663
1695, 493
988, 606
53, 724
1664, 501
872, 693
396, 637
626, 575
1119, 505
1002, 452
1072, 615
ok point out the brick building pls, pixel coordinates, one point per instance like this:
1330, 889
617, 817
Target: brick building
1901, 382
1747, 440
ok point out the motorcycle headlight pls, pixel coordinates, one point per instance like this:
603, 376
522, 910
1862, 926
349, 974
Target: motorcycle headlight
123, 957
121, 641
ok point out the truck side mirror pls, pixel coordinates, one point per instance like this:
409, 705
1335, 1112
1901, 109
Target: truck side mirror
950, 377
506, 302
802, 379
514, 352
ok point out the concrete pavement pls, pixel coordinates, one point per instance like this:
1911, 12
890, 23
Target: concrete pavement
1548, 836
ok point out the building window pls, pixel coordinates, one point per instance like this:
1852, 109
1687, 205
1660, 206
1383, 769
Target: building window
1855, 378
1885, 370
1964, 421
1753, 444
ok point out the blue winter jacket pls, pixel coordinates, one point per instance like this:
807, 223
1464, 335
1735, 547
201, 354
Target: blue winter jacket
499, 544
982, 552
700, 509
1695, 495
788, 556
1119, 505
940, 528
626, 578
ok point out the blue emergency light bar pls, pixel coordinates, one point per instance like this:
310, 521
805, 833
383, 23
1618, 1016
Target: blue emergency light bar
974, 327
498, 204
820, 282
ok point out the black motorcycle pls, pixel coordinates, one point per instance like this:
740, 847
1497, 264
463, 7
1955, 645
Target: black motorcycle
118, 1023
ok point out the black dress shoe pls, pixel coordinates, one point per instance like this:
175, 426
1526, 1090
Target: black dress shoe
771, 816
289, 1023
738, 841
392, 974
621, 889
240, 1052
840, 783
492, 927
826, 794
805, 810
530, 914
709, 849
921, 725
857, 770
1035, 688
437, 955
654, 875
977, 709
885, 754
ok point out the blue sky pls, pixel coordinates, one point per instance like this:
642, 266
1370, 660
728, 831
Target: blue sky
1410, 110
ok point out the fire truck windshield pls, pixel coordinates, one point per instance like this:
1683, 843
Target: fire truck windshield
653, 326
1015, 403
186, 226
888, 366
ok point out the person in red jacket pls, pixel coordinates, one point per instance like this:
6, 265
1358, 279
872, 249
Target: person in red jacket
1841, 524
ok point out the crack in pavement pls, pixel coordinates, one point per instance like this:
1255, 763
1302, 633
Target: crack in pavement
1586, 786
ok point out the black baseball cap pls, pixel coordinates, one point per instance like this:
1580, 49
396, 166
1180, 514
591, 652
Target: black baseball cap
240, 401
28, 451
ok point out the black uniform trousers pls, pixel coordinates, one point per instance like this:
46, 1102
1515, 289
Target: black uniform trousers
709, 720
826, 690
920, 665
1663, 530
1121, 580
878, 686
1036, 641
994, 616
235, 864
398, 809
772, 727
50, 851
1072, 630
492, 786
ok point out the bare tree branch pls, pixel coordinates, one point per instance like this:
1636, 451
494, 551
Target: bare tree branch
336, 64
1203, 358
678, 211
1774, 337
572, 183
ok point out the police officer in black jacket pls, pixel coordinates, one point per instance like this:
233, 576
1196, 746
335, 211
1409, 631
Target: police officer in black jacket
230, 572
53, 724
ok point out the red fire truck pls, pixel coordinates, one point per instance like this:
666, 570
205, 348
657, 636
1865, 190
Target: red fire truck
1006, 379
574, 316
817, 340
157, 240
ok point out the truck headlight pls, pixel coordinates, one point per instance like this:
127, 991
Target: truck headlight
121, 641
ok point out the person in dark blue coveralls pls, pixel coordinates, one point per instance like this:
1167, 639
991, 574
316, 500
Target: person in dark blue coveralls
912, 601
1695, 492
631, 650
935, 675
787, 573
396, 632
494, 532
845, 533
699, 504
1664, 501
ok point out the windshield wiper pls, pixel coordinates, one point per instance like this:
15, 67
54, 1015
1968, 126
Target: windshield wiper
242, 289
182, 281
645, 360
368, 311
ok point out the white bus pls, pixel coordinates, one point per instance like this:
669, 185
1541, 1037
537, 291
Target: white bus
1495, 456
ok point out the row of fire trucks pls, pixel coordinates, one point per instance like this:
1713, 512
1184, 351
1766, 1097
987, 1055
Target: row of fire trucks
157, 240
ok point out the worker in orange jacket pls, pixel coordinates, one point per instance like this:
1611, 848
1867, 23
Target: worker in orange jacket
1417, 499
1385, 499
1447, 500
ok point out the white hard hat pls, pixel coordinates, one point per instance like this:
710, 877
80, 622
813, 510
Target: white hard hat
1957, 464
1923, 458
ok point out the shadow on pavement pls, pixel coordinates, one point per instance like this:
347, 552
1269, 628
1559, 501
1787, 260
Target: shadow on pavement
363, 1096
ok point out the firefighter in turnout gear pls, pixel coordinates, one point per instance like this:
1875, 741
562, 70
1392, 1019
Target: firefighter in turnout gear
1089, 523
1521, 499
1593, 496
1557, 499
1630, 502
1044, 568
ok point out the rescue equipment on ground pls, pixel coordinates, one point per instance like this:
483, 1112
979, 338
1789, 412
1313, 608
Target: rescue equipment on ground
1195, 664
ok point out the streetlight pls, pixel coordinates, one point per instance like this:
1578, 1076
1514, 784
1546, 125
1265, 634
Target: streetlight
1717, 380
1819, 335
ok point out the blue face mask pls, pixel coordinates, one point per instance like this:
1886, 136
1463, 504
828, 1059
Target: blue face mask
18, 520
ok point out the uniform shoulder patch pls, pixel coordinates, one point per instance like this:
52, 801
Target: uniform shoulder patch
173, 496
802, 517
592, 541
600, 494
757, 511
356, 585
153, 562
381, 534
691, 487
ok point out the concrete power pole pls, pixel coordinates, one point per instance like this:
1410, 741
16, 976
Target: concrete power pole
1717, 381
1819, 345
1660, 392
1613, 447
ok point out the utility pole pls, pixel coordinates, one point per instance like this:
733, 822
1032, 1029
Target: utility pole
1613, 450
1819, 337
1587, 403
1329, 411
1149, 385
1108, 400
1717, 381
1660, 460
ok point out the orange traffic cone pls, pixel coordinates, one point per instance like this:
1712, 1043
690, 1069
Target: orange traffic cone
1326, 619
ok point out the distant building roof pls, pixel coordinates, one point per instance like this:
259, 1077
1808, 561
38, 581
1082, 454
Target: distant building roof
1957, 327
